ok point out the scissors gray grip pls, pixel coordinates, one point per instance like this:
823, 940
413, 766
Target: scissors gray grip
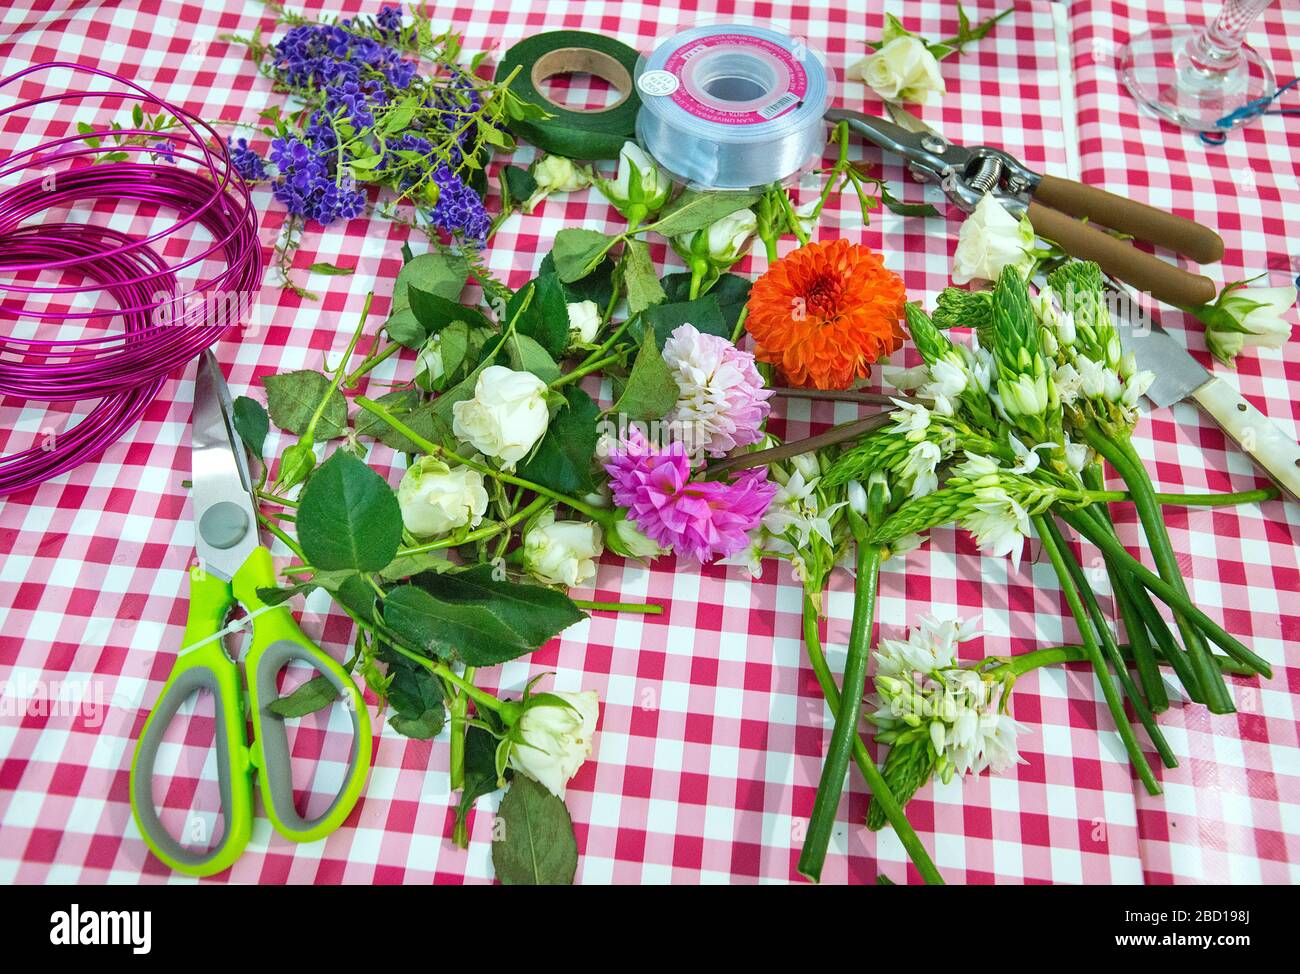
272, 741
236, 798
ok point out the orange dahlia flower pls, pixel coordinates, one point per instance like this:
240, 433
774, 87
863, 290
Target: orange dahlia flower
825, 313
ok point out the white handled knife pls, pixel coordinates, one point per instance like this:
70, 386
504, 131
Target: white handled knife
1179, 376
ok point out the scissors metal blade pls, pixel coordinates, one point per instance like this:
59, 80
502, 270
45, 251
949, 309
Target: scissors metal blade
224, 513
928, 153
911, 122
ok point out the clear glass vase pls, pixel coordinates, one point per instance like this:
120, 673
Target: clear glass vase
1197, 76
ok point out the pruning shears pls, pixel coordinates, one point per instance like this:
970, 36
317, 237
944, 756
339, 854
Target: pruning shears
1061, 210
232, 566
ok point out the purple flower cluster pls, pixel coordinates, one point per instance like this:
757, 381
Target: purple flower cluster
330, 56
246, 162
459, 209
389, 20
308, 188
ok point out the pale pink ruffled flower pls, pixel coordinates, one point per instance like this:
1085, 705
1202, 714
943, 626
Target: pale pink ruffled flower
722, 398
706, 519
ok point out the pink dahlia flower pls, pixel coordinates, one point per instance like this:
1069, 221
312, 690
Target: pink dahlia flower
722, 398
705, 519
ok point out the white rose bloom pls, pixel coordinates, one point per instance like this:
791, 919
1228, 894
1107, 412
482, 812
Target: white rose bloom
903, 70
554, 741
1264, 326
730, 237
436, 498
584, 321
990, 240
562, 552
506, 416
556, 174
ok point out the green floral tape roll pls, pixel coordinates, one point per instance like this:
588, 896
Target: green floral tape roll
597, 133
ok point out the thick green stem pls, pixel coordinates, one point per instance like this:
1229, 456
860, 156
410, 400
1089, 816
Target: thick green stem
847, 713
1018, 666
1108, 689
1124, 459
459, 708
1143, 654
1176, 600
862, 757
1111, 647
584, 370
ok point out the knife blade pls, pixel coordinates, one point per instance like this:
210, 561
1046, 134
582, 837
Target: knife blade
1179, 377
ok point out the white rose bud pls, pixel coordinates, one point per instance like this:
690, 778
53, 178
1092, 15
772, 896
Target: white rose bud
640, 189
584, 321
556, 174
990, 240
1258, 311
436, 498
723, 242
506, 416
626, 539
903, 69
552, 742
562, 552
429, 369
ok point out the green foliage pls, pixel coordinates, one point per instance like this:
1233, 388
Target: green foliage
292, 398
416, 696
534, 844
252, 423
651, 391
348, 517
545, 318
313, 695
694, 210
563, 459
959, 308
577, 253
641, 278
929, 340
480, 770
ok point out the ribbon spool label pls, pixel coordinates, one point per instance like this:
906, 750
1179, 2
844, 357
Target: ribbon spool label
731, 79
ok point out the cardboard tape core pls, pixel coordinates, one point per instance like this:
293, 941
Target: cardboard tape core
581, 60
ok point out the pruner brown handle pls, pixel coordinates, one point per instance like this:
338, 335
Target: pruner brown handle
1163, 281
1182, 236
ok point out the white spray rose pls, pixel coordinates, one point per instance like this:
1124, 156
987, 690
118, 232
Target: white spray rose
436, 498
556, 174
506, 416
562, 552
1258, 312
641, 188
903, 69
584, 321
553, 741
990, 240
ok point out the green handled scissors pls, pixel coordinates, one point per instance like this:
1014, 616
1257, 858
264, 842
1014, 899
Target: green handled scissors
232, 566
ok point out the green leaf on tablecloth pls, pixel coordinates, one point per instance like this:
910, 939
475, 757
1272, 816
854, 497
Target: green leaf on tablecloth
562, 461
251, 423
330, 270
313, 695
292, 398
578, 252
441, 273
419, 709
641, 277
348, 517
694, 210
434, 312
651, 391
533, 842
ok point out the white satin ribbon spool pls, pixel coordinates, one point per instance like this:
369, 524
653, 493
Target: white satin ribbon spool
733, 106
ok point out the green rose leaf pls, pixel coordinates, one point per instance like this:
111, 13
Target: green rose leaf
441, 273
472, 616
526, 355
517, 185
415, 695
480, 770
641, 277
694, 210
577, 252
348, 517
651, 390
562, 461
546, 318
406, 405
535, 844
251, 423
292, 398
731, 291
434, 312
597, 286
404, 566
663, 319
404, 328
316, 694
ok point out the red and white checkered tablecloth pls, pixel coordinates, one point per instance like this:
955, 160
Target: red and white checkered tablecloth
712, 729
